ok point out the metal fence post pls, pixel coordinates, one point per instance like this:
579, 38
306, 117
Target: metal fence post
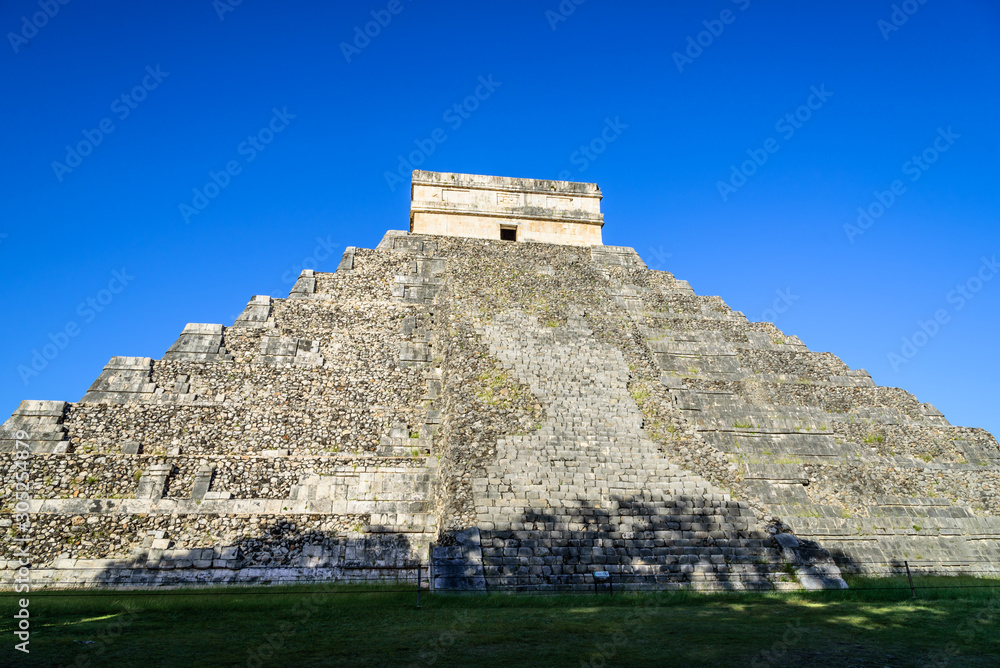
910, 578
419, 575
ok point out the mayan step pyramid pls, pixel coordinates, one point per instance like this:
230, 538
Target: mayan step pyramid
496, 396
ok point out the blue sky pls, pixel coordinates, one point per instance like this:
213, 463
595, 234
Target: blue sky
251, 142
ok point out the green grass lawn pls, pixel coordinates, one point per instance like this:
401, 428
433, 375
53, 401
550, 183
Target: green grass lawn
866, 626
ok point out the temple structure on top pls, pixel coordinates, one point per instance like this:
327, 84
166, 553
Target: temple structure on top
500, 207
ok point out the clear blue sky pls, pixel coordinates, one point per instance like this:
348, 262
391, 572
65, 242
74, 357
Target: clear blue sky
317, 178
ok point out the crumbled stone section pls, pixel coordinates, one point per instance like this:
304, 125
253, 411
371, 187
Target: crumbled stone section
511, 414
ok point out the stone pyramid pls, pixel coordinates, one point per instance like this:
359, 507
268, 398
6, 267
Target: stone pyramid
499, 398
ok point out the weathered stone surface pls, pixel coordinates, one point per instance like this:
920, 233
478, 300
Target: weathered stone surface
505, 415
787, 540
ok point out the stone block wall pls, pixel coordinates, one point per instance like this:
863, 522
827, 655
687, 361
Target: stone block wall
294, 444
511, 414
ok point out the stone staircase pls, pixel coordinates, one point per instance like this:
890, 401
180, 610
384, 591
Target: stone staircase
589, 491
